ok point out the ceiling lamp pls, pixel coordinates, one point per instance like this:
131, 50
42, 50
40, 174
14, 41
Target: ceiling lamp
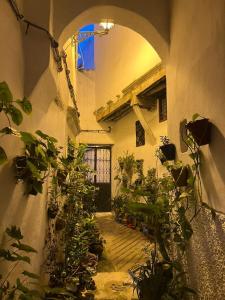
107, 24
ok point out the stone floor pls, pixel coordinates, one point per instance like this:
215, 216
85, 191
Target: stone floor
123, 249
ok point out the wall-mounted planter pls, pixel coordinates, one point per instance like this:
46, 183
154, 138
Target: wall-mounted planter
169, 151
20, 163
180, 176
52, 211
60, 224
200, 130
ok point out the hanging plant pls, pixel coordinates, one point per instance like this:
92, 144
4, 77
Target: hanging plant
168, 149
40, 156
200, 129
12, 113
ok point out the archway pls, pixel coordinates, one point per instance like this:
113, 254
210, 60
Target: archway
120, 16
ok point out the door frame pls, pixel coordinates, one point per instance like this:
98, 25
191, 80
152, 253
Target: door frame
102, 146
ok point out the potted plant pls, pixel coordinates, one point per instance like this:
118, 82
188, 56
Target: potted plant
179, 173
53, 209
200, 129
168, 149
160, 156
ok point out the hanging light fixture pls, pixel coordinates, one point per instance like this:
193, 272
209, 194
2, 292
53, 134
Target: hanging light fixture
107, 24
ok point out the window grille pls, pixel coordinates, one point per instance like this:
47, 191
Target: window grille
140, 134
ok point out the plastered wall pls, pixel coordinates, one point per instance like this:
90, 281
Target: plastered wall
195, 76
122, 56
15, 208
125, 136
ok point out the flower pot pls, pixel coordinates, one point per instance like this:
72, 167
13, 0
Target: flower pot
169, 151
60, 224
52, 212
20, 163
200, 130
180, 176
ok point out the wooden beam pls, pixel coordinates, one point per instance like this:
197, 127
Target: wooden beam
136, 87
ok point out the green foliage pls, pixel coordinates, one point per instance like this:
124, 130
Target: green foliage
8, 108
41, 154
16, 253
81, 242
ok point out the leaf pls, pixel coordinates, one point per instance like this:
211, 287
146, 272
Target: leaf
195, 117
22, 258
27, 138
21, 287
5, 93
25, 105
14, 232
35, 172
3, 156
38, 186
24, 247
193, 155
6, 130
16, 115
45, 136
184, 195
31, 275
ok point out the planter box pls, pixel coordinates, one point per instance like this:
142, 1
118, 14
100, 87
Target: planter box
200, 130
169, 151
180, 176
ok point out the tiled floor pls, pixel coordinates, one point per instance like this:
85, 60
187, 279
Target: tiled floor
123, 249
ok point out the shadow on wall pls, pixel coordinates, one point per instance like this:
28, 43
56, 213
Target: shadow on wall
217, 149
216, 154
7, 187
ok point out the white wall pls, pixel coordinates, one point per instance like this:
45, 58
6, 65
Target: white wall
195, 76
122, 56
195, 73
124, 135
16, 209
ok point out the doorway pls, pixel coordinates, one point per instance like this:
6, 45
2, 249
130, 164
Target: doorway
98, 157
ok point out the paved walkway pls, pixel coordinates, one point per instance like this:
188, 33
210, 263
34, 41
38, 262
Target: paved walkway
123, 249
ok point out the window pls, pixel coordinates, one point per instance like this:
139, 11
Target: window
140, 134
162, 109
85, 49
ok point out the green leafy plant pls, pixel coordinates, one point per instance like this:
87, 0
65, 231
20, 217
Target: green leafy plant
12, 109
81, 244
40, 156
17, 252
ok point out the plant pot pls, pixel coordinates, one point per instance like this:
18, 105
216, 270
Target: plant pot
96, 248
20, 164
200, 130
180, 176
162, 160
52, 212
60, 224
169, 151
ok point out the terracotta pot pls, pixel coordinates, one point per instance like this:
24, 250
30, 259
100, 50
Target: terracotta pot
200, 130
169, 151
60, 224
180, 176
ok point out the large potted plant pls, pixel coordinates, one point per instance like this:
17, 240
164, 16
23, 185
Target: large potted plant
200, 129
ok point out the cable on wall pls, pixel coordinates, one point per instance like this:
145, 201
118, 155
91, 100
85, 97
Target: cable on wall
53, 42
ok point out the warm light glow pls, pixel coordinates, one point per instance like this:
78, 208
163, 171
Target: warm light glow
107, 24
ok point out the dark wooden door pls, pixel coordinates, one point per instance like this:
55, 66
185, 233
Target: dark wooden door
99, 159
